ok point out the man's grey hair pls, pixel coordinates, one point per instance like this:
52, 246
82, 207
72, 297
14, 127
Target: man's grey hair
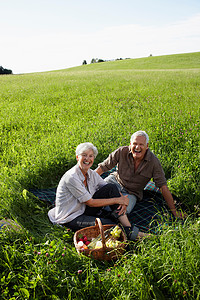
140, 133
84, 147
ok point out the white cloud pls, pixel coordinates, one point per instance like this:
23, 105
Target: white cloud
138, 41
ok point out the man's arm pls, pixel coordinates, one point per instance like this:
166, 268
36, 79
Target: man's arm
110, 162
170, 201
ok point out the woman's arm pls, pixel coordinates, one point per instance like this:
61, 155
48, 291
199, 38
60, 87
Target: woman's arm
123, 200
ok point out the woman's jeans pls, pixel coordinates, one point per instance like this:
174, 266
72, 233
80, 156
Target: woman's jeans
132, 198
91, 213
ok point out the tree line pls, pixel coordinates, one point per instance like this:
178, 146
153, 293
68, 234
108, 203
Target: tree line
98, 60
4, 71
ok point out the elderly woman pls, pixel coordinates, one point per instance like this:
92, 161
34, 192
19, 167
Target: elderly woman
82, 195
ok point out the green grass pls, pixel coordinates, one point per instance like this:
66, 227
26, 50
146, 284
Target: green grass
177, 61
43, 117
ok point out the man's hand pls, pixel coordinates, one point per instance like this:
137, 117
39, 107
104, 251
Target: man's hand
99, 170
178, 214
170, 201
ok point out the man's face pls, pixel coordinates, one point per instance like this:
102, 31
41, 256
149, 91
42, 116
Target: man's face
139, 147
85, 160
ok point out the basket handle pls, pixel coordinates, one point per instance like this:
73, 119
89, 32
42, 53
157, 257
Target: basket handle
98, 223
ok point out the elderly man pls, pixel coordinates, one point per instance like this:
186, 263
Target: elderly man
136, 165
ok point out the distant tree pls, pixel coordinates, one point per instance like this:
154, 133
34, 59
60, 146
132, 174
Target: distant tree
84, 62
5, 71
94, 60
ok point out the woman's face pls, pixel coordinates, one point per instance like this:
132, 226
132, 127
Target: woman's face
85, 160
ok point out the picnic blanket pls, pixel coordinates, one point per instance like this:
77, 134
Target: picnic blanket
8, 224
150, 214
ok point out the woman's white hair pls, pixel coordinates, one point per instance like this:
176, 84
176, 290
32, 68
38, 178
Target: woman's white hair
140, 133
84, 147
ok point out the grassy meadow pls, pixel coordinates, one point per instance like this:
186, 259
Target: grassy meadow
43, 117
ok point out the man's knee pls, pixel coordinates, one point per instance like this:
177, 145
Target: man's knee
132, 203
113, 190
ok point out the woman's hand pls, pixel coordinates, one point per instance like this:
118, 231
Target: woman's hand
121, 210
123, 200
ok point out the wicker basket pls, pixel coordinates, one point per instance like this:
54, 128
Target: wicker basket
103, 253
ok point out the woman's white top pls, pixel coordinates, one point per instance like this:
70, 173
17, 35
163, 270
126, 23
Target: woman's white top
72, 194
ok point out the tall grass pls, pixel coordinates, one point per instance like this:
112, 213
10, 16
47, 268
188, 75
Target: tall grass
43, 117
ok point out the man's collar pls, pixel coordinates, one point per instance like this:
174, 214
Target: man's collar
147, 155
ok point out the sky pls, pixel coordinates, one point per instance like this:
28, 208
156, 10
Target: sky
45, 35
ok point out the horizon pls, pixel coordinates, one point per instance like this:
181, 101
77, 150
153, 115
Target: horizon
111, 60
